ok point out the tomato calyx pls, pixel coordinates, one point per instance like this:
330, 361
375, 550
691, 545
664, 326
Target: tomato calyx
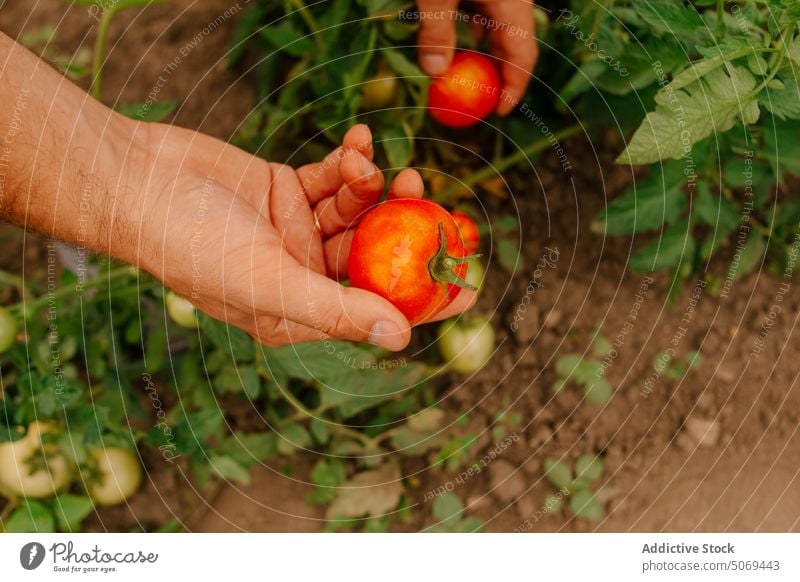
441, 266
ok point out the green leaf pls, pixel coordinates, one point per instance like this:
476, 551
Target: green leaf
793, 51
291, 437
319, 428
567, 364
783, 103
602, 346
585, 505
70, 510
750, 255
668, 251
327, 475
155, 111
669, 16
447, 508
398, 143
372, 493
717, 212
284, 38
684, 117
229, 469
251, 382
700, 68
507, 254
558, 472
30, 517
405, 68
599, 391
648, 205
228, 338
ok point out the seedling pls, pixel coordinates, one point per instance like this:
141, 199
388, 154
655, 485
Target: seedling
448, 510
587, 372
675, 368
577, 483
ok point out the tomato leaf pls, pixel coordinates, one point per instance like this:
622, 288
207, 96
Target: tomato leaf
370, 493
30, 517
70, 510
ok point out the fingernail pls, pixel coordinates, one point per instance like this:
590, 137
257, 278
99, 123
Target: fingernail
434, 64
386, 334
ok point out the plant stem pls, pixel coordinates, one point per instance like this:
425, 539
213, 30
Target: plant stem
100, 48
509, 161
720, 16
97, 281
310, 21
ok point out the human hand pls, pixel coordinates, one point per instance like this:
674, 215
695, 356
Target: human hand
517, 52
260, 245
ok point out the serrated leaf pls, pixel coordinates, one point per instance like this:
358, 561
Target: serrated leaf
370, 493
230, 339
669, 16
648, 205
674, 246
558, 472
783, 103
684, 117
702, 67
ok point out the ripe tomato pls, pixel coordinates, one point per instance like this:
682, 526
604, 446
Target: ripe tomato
181, 310
119, 475
380, 90
30, 468
409, 251
466, 346
469, 231
8, 329
468, 92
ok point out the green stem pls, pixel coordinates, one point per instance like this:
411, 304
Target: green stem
720, 16
99, 280
310, 21
303, 412
504, 163
100, 49
775, 60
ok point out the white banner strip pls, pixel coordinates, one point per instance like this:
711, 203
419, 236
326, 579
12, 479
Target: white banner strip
402, 557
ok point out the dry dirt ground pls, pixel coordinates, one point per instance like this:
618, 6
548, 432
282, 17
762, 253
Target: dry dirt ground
717, 449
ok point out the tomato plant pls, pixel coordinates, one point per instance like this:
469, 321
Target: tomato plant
467, 93
409, 251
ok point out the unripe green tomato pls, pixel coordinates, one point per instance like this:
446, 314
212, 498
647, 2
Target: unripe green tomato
19, 477
466, 346
379, 91
475, 273
181, 311
8, 329
119, 475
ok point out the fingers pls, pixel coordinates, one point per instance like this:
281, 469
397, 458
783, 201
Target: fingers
291, 215
407, 184
518, 51
437, 35
363, 186
323, 179
315, 301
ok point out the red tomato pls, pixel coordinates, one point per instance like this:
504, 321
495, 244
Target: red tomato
468, 230
409, 251
468, 92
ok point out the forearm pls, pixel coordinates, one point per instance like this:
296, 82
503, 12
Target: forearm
66, 161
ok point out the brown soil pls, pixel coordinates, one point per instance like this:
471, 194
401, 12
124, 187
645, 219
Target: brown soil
657, 476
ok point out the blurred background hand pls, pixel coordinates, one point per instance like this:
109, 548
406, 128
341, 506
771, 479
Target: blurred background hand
510, 26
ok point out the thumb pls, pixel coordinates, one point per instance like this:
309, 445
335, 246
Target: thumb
347, 313
437, 35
